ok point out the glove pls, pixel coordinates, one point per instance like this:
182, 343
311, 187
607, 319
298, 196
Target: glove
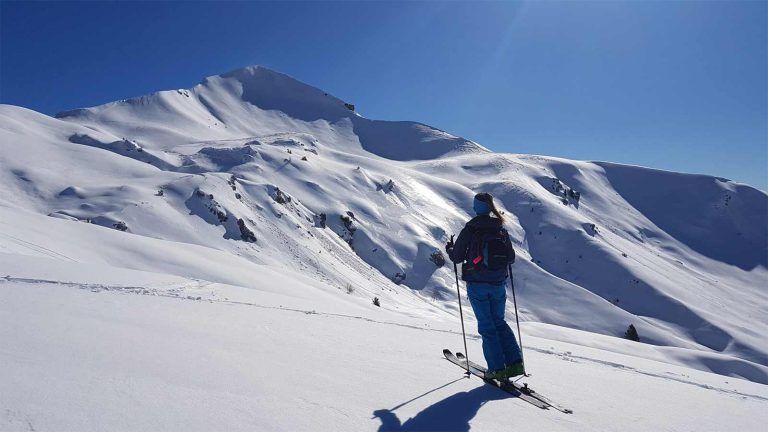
449, 246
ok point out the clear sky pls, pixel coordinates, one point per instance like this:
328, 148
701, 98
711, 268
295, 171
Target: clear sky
666, 84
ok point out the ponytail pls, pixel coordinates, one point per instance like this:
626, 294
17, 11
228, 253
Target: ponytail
497, 213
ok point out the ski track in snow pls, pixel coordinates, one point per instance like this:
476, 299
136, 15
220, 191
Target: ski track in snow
567, 356
37, 248
15, 418
178, 292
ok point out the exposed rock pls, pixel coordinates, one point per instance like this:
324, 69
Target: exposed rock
245, 232
388, 187
319, 220
280, 197
437, 258
631, 334
212, 205
348, 230
566, 194
398, 278
348, 224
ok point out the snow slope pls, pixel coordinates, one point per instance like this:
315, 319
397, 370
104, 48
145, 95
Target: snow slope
99, 347
277, 213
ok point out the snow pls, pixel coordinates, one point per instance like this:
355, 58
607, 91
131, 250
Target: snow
239, 359
206, 259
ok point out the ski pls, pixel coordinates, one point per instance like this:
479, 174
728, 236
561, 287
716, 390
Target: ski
522, 388
480, 373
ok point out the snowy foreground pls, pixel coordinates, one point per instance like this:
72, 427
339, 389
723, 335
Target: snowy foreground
206, 259
125, 350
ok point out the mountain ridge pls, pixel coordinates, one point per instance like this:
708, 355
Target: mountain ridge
369, 204
222, 106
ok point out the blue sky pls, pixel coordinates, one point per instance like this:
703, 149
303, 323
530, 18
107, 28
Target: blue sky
671, 85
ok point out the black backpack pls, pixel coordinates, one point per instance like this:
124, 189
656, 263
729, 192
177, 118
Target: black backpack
489, 250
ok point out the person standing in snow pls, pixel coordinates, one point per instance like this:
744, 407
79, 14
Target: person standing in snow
485, 251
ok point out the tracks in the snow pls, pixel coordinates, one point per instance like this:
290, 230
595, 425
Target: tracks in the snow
181, 292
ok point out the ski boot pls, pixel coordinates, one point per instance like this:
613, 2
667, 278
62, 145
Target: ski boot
496, 375
514, 370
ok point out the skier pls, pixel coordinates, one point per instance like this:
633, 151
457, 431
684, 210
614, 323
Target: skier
485, 251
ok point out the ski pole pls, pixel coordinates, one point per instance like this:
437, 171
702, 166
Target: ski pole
517, 318
461, 314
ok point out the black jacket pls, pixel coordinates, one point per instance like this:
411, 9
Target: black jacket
461, 248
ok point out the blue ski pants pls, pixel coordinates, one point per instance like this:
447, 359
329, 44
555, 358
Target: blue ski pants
500, 347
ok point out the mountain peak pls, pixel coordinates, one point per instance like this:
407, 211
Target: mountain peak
254, 71
272, 90
222, 107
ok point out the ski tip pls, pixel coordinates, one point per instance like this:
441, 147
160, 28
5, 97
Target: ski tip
447, 352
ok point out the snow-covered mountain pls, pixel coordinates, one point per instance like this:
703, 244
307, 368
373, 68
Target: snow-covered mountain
255, 189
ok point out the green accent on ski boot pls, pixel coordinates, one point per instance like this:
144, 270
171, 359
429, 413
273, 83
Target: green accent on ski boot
514, 369
495, 375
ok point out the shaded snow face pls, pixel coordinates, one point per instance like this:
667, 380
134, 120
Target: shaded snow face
262, 167
714, 217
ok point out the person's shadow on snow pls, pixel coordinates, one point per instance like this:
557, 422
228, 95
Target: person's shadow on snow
450, 414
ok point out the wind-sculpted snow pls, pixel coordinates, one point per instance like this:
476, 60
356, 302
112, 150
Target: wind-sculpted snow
264, 169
